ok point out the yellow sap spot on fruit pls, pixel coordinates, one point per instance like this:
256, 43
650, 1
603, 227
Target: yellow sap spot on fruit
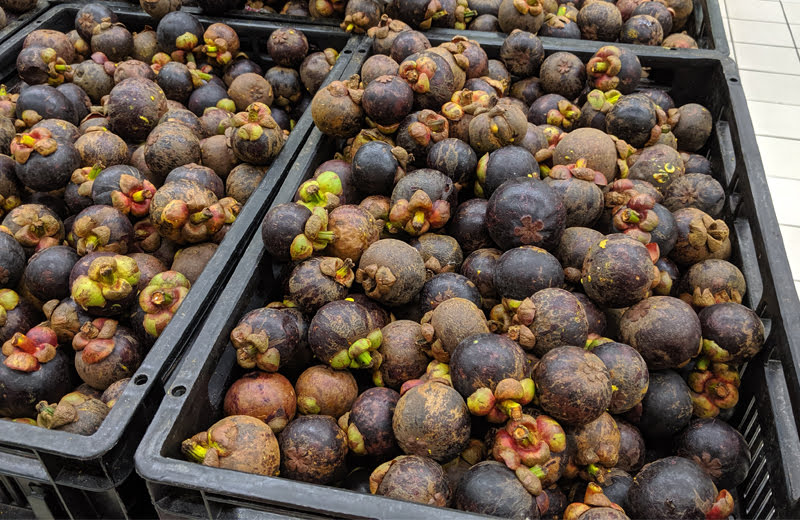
669, 168
614, 388
588, 278
152, 98
637, 278
478, 271
144, 119
603, 243
349, 299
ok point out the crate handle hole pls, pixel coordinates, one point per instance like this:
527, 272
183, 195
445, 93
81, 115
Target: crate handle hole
347, 51
362, 51
733, 80
178, 391
140, 379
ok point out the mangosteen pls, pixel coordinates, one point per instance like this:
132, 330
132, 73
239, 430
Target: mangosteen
659, 11
387, 101
416, 13
468, 225
160, 300
281, 226
315, 69
412, 478
563, 73
675, 487
522, 271
16, 314
38, 102
265, 338
419, 131
74, 413
91, 15
496, 128
692, 125
148, 102
572, 250
712, 281
336, 109
124, 188
450, 322
695, 190
718, 449
377, 166
405, 44
313, 449
101, 228
554, 109
430, 77
113, 40
631, 447
633, 119
641, 29
376, 66
490, 488
34, 227
600, 21
106, 352
700, 237
111, 394
523, 53
618, 271
343, 335
12, 260
205, 97
525, 211
526, 15
597, 148
578, 186
325, 391
560, 25
175, 79
268, 397
551, 318
384, 33
352, 231
96, 146
441, 253
479, 267
286, 86
47, 273
444, 286
169, 146
320, 280
573, 385
190, 261
614, 68
679, 41
666, 408
461, 110
37, 65
239, 442
402, 352
145, 44
43, 163
369, 423
361, 16
432, 420
33, 369
628, 373
179, 30
185, 212
494, 168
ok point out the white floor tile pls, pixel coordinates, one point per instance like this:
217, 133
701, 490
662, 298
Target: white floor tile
784, 197
791, 241
775, 154
760, 10
781, 60
796, 33
792, 11
762, 33
775, 120
771, 87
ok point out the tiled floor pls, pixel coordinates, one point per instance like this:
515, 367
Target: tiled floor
764, 37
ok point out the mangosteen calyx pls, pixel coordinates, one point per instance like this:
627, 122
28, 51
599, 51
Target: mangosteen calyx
594, 497
632, 211
505, 402
133, 196
604, 67
26, 352
578, 170
722, 507
524, 445
531, 7
603, 101
38, 140
110, 279
315, 236
84, 178
565, 116
95, 340
253, 349
361, 353
429, 128
322, 192
161, 298
220, 43
418, 215
515, 317
418, 73
467, 102
435, 371
8, 302
713, 388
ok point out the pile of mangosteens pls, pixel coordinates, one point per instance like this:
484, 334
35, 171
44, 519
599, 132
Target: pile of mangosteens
125, 159
509, 293
643, 22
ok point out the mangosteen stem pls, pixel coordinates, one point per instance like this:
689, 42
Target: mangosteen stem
325, 236
161, 298
27, 140
538, 471
194, 450
364, 358
703, 364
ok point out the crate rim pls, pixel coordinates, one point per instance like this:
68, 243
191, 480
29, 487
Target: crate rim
181, 330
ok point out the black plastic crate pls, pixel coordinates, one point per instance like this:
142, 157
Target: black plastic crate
17, 21
769, 392
56, 474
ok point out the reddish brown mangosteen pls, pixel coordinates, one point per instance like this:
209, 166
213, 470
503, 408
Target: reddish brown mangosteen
265, 338
111, 395
185, 212
432, 420
407, 43
190, 261
376, 66
343, 335
325, 391
161, 299
489, 371
402, 350
497, 127
573, 385
320, 280
700, 237
391, 272
718, 449
106, 352
74, 413
249, 88
594, 447
450, 322
313, 449
239, 442
618, 271
221, 43
525, 15
148, 102
679, 41
441, 253
463, 106
490, 488
551, 318
336, 109
34, 227
675, 487
369, 423
33, 369
101, 228
353, 231
104, 284
412, 478
257, 138
243, 180
43, 163
315, 69
595, 506
124, 188
601, 151
522, 53
265, 396
98, 146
